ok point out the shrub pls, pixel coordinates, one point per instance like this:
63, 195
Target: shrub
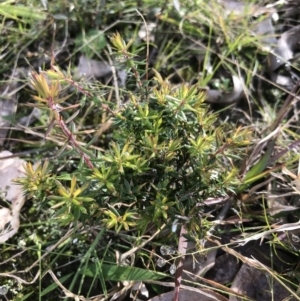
167, 156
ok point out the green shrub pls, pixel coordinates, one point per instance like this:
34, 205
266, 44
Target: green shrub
166, 156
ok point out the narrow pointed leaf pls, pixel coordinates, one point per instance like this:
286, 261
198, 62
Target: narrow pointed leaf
262, 163
122, 273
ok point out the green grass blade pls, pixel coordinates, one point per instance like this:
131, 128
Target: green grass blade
254, 173
86, 258
20, 11
53, 286
26, 296
122, 273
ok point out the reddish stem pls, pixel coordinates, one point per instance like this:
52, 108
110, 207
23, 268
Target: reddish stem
67, 132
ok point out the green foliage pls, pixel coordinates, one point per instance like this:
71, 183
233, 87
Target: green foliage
91, 42
19, 11
38, 180
167, 155
122, 273
71, 199
163, 154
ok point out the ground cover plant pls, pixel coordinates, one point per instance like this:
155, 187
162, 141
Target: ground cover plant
149, 150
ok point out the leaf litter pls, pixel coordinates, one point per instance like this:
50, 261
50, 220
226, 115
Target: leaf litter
10, 169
